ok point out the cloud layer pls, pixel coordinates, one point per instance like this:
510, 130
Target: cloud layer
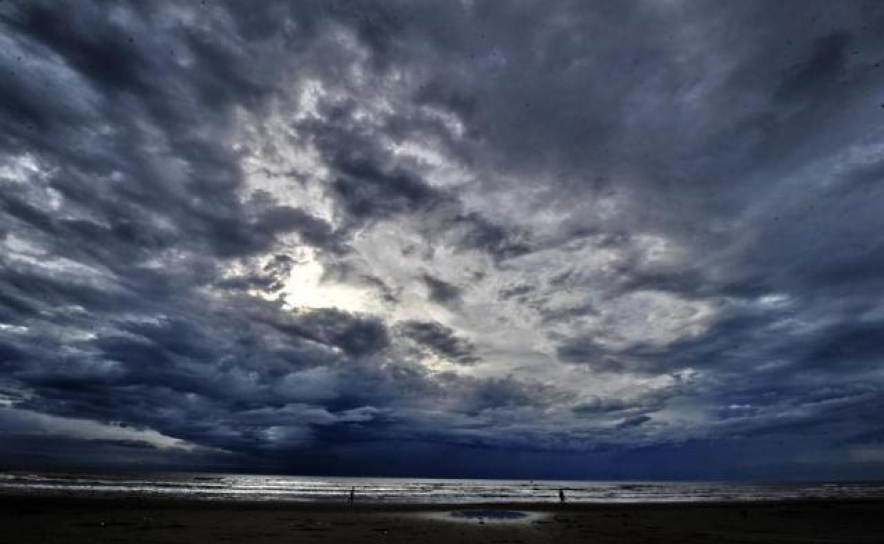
444, 238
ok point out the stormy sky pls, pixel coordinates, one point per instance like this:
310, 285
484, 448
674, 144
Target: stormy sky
453, 238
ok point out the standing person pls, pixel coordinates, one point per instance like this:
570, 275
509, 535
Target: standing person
352, 495
562, 496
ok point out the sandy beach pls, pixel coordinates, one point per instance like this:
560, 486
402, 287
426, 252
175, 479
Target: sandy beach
75, 520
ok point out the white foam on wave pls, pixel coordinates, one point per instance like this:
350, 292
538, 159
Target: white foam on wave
425, 491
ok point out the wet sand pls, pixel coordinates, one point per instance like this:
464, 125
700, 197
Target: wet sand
72, 520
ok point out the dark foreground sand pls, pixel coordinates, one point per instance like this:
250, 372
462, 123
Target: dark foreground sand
69, 520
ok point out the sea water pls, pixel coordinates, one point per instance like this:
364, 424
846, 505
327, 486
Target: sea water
420, 491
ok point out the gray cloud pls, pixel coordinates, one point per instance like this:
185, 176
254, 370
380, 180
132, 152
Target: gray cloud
440, 291
633, 422
242, 228
440, 340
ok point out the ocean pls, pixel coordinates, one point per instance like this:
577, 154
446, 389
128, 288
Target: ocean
418, 491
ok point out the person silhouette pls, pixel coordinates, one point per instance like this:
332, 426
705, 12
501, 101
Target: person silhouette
352, 495
561, 495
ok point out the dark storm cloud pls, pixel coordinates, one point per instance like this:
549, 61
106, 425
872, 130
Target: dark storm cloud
585, 351
143, 277
440, 291
355, 335
366, 191
493, 239
221, 381
387, 293
312, 230
40, 452
105, 54
822, 70
515, 291
441, 340
849, 344
598, 405
633, 422
271, 277
159, 185
370, 185
579, 350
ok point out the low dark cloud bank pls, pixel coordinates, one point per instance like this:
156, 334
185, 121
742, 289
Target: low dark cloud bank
502, 239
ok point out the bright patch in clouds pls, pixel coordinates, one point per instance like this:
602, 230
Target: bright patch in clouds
443, 238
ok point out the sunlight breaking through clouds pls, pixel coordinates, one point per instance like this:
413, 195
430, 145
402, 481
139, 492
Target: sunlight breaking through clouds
285, 232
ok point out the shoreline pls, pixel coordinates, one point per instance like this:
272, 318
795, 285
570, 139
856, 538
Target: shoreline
101, 500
